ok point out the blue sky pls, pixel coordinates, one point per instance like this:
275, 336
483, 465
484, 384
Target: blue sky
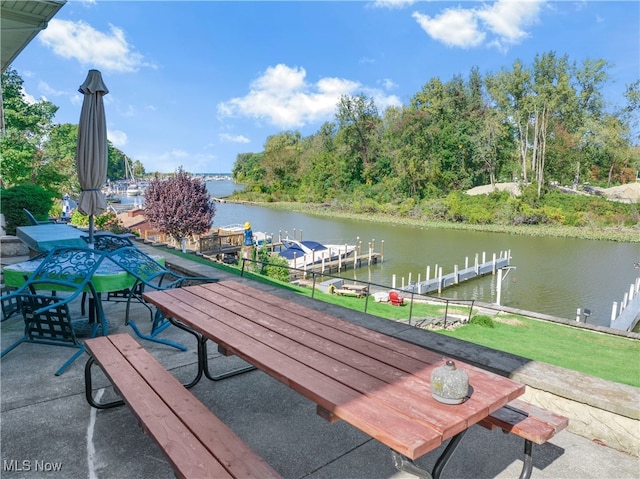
194, 83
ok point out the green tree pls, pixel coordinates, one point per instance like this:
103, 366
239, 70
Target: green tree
27, 127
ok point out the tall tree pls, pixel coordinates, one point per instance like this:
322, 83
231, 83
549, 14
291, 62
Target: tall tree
27, 127
358, 122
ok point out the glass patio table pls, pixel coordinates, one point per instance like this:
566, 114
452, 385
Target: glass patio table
48, 236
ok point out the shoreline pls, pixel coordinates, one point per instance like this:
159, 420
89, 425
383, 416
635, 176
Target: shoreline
620, 234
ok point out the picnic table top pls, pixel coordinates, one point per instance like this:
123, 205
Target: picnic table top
377, 383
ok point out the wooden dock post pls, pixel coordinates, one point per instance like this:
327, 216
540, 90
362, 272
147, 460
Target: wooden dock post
428, 273
614, 312
499, 287
456, 278
493, 267
382, 251
440, 280
393, 282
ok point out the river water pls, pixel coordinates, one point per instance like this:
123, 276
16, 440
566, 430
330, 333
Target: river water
553, 276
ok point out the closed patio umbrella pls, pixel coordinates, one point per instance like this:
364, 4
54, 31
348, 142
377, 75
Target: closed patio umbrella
91, 152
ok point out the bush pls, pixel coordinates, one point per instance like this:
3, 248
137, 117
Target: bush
32, 197
483, 321
272, 266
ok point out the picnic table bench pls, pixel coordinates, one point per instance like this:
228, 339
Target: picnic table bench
528, 421
194, 440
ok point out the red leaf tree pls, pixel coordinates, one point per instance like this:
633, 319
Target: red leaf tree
179, 205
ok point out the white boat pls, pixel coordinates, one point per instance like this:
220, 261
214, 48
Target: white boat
133, 190
301, 254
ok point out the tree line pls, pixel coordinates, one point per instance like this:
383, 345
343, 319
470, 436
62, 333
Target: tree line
541, 124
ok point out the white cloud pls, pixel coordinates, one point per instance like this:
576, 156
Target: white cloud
48, 90
28, 98
505, 18
283, 97
117, 137
393, 3
455, 27
227, 138
388, 84
501, 23
80, 41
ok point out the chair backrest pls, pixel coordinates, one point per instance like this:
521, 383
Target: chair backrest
66, 269
109, 241
32, 219
146, 269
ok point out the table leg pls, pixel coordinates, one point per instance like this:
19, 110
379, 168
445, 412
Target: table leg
405, 464
218, 377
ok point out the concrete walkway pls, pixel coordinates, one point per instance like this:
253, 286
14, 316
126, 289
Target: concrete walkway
48, 429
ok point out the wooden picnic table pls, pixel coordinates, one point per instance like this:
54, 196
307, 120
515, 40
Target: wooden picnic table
377, 383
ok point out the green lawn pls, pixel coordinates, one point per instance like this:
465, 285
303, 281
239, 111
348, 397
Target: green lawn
602, 355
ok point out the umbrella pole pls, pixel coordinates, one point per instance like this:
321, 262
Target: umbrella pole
90, 231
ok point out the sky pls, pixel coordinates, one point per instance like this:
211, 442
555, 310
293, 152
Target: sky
192, 84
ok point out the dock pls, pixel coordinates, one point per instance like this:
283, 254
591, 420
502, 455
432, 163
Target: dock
439, 282
337, 266
627, 316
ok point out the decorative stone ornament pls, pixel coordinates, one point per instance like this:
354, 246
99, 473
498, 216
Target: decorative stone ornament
449, 385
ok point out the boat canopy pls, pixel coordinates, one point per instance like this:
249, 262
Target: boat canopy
299, 249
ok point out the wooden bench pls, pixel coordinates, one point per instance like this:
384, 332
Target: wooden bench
196, 442
530, 422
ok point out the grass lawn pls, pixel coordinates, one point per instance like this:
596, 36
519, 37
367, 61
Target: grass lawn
602, 355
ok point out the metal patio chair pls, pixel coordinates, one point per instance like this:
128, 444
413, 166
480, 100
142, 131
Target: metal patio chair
109, 242
47, 318
150, 274
33, 221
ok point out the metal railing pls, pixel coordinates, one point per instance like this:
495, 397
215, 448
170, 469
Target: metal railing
373, 288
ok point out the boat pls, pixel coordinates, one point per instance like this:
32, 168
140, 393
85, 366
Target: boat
301, 254
133, 190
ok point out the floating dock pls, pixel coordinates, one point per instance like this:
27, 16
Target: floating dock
440, 281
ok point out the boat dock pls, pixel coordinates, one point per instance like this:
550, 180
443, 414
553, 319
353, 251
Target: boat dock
628, 315
439, 281
339, 265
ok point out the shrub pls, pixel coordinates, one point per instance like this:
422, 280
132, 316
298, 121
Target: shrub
32, 197
483, 321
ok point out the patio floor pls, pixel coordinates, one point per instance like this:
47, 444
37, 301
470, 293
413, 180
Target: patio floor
47, 424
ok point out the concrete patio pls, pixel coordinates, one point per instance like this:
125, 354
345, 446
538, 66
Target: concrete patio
49, 430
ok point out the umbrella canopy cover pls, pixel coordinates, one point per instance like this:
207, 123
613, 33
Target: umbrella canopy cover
91, 152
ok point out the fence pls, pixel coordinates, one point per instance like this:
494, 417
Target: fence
319, 281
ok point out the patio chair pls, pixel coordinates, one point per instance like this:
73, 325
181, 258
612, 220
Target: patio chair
395, 299
47, 318
33, 221
152, 275
110, 242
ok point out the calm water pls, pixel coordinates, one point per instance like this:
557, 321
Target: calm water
552, 275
